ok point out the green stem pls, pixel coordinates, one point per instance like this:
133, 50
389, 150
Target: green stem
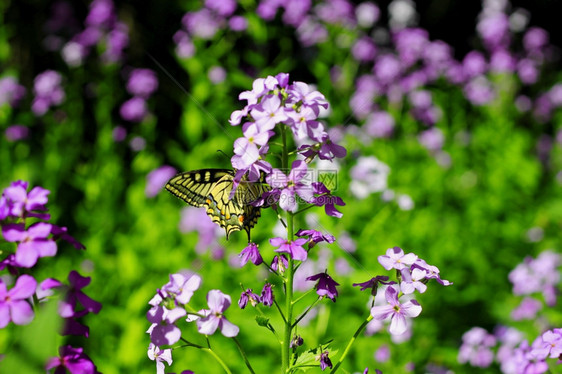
351, 341
244, 355
219, 360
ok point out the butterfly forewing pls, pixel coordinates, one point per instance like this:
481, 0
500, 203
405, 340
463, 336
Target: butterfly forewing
193, 187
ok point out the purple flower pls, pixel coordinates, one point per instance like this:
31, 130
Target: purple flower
293, 248
527, 309
117, 40
214, 318
410, 44
316, 237
102, 14
413, 280
326, 199
163, 329
251, 253
184, 45
217, 74
280, 263
326, 286
238, 23
13, 304
396, 311
373, 283
300, 92
10, 91
297, 341
432, 272
157, 178
364, 49
73, 53
32, 244
74, 295
325, 361
494, 30
549, 344
142, 82
72, 359
203, 23
396, 259
182, 287
379, 124
291, 185
160, 356
382, 354
269, 112
246, 296
387, 69
224, 8
267, 295
48, 92
367, 14
474, 64
476, 348
22, 204
16, 132
502, 62
527, 71
134, 109
535, 39
479, 91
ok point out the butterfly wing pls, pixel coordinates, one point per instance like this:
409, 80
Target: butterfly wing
193, 187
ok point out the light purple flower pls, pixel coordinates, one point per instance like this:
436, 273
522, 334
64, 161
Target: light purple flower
246, 296
74, 294
116, 41
432, 139
300, 92
410, 44
224, 8
48, 92
33, 243
535, 39
326, 286
382, 354
413, 280
294, 183
214, 318
202, 23
182, 287
474, 64
387, 69
549, 344
196, 219
432, 272
494, 30
502, 61
72, 359
102, 14
316, 237
251, 253
479, 91
396, 259
163, 329
142, 82
184, 46
476, 348
527, 71
367, 14
396, 311
379, 124
13, 304
23, 204
160, 356
217, 74
280, 263
16, 132
10, 91
373, 283
134, 109
157, 178
269, 112
238, 23
293, 248
364, 49
267, 295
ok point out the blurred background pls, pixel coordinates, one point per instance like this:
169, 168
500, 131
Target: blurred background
450, 112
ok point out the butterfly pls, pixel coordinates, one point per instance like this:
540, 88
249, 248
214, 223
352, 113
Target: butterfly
211, 188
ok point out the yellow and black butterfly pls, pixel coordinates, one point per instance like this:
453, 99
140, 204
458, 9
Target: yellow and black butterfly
211, 188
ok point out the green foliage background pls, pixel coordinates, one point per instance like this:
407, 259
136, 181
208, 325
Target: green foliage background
470, 219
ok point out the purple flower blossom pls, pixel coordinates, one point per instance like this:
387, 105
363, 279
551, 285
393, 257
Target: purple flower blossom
297, 341
217, 74
396, 311
202, 23
238, 23
10, 91
479, 91
325, 198
527, 71
364, 49
72, 359
382, 354
157, 178
535, 39
116, 41
163, 329
184, 45
13, 304
549, 344
432, 272
373, 283
280, 263
142, 82
21, 204
251, 253
182, 287
432, 139
246, 296
316, 237
502, 62
48, 92
214, 318
267, 295
293, 248
413, 280
474, 64
223, 8
32, 243
387, 69
268, 112
367, 14
326, 286
379, 124
291, 185
74, 295
410, 44
476, 348
134, 109
325, 361
102, 14
16, 132
160, 356
396, 259
527, 309
494, 30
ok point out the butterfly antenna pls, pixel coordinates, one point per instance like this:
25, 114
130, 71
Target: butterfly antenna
224, 154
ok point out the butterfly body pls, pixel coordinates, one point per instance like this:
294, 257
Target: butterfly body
211, 189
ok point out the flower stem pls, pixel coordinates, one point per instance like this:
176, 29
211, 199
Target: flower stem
219, 360
351, 341
244, 355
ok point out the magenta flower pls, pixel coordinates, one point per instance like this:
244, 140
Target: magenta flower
292, 184
326, 286
396, 259
527, 309
10, 91
16, 132
300, 92
251, 253
214, 318
48, 92
160, 356
157, 178
32, 244
246, 296
72, 359
325, 361
396, 311
325, 198
182, 287
13, 304
549, 344
293, 248
476, 348
163, 329
134, 109
279, 263
22, 204
74, 295
267, 295
316, 237
142, 82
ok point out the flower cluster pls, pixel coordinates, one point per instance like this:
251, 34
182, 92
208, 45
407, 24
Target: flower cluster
413, 275
48, 92
171, 303
141, 84
33, 241
11, 92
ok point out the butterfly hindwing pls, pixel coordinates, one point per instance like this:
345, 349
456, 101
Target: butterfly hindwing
211, 188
